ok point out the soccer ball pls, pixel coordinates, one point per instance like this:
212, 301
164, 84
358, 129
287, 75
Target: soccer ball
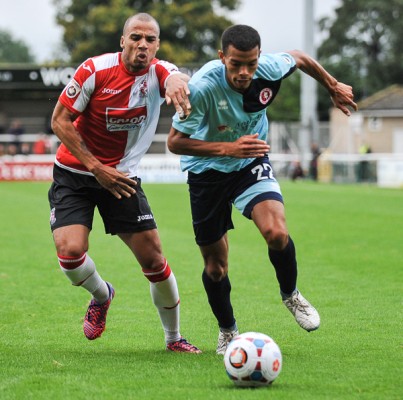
252, 359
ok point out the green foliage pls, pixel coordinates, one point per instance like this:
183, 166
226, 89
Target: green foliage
13, 50
348, 241
364, 47
190, 30
92, 27
190, 35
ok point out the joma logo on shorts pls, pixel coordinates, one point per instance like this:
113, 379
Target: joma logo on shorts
144, 217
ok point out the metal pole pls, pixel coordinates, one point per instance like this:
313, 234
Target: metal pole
309, 132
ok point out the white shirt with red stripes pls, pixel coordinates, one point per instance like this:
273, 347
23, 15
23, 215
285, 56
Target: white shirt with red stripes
117, 110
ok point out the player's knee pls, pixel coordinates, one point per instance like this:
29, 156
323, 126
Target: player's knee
69, 245
71, 249
276, 238
216, 275
216, 272
153, 263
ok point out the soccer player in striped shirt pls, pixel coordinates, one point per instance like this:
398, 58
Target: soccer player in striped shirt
106, 119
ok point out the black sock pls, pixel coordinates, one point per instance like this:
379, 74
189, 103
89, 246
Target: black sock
218, 294
285, 264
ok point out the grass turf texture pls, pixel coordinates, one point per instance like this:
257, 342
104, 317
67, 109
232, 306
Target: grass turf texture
349, 247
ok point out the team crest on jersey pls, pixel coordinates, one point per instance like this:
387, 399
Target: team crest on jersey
143, 90
265, 95
125, 119
73, 89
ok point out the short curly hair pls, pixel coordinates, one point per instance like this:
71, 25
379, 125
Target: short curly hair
242, 37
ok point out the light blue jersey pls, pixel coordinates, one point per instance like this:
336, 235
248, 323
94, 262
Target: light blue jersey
221, 114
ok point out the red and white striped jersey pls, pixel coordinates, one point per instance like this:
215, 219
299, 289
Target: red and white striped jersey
117, 110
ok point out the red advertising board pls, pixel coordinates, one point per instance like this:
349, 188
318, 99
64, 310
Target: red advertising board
26, 170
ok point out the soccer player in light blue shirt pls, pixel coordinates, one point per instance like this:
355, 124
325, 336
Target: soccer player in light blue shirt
221, 114
223, 143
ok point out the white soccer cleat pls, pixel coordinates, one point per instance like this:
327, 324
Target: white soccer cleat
223, 339
305, 314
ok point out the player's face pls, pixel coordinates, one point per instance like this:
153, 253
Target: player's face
140, 42
240, 66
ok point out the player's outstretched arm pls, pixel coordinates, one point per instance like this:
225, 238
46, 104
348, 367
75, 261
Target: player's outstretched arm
177, 92
340, 93
247, 146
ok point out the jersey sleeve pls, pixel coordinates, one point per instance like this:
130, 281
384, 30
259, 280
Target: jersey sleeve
78, 91
165, 69
276, 66
199, 112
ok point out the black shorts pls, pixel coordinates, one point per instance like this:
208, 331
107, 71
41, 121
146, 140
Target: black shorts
212, 194
73, 198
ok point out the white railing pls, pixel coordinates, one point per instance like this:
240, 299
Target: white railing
385, 169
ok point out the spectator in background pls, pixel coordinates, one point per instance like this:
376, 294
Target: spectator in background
16, 129
42, 145
3, 119
297, 171
25, 149
313, 164
12, 149
363, 167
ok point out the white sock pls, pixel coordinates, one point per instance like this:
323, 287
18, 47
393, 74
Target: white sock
81, 271
165, 295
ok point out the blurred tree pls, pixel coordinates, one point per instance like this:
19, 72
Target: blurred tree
364, 46
190, 35
13, 50
190, 30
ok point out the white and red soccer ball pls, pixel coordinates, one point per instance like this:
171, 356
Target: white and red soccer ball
253, 359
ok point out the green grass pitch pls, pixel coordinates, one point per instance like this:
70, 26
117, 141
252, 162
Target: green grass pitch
349, 242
